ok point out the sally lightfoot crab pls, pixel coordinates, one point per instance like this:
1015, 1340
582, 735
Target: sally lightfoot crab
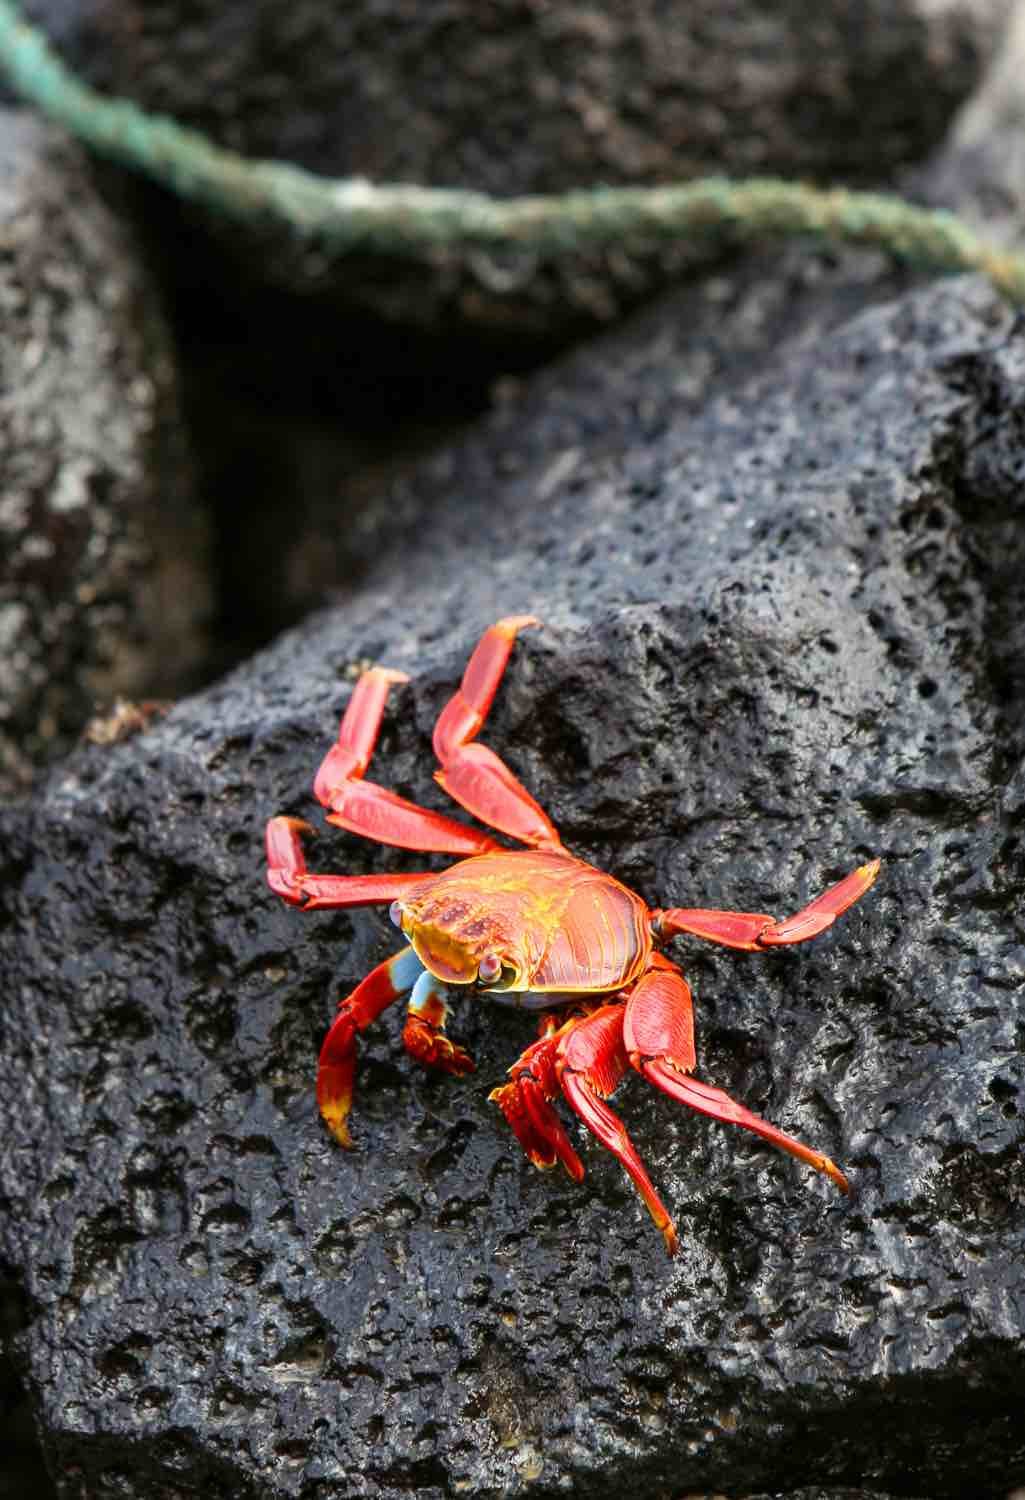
533, 927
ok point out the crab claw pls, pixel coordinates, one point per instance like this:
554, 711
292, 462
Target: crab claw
335, 1075
337, 1067
424, 1035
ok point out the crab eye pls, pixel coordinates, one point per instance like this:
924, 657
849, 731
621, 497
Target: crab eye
395, 913
490, 968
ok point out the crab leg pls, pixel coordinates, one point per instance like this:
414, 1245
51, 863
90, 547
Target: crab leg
591, 1061
754, 932
289, 878
365, 808
583, 1057
525, 1102
337, 1066
473, 775
658, 1037
424, 1035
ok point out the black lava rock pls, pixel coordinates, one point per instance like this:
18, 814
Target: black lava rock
783, 632
518, 98
511, 98
104, 588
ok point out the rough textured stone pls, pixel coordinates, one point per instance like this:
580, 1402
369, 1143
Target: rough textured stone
520, 97
979, 170
516, 97
784, 630
102, 583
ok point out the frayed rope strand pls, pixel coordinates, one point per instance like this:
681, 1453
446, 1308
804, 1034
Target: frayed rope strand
347, 215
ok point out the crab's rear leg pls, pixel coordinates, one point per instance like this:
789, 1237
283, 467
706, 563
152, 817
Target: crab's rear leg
473, 775
754, 932
658, 1037
365, 808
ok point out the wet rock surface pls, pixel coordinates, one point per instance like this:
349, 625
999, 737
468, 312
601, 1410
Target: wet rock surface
516, 98
775, 533
103, 589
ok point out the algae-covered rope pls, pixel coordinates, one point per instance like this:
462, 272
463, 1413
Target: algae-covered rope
411, 222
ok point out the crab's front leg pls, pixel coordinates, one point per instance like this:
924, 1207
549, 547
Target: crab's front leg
337, 1067
424, 1034
526, 1103
584, 1059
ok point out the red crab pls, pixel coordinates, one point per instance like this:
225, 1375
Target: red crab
533, 927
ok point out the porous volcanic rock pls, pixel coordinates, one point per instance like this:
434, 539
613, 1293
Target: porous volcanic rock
978, 172
516, 97
103, 584
783, 632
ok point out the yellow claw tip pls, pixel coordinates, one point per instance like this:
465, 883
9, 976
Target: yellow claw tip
834, 1174
511, 624
299, 824
335, 1119
670, 1236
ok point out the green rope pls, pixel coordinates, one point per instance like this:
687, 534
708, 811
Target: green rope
412, 222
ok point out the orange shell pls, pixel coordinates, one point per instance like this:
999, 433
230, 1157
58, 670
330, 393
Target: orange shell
561, 924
